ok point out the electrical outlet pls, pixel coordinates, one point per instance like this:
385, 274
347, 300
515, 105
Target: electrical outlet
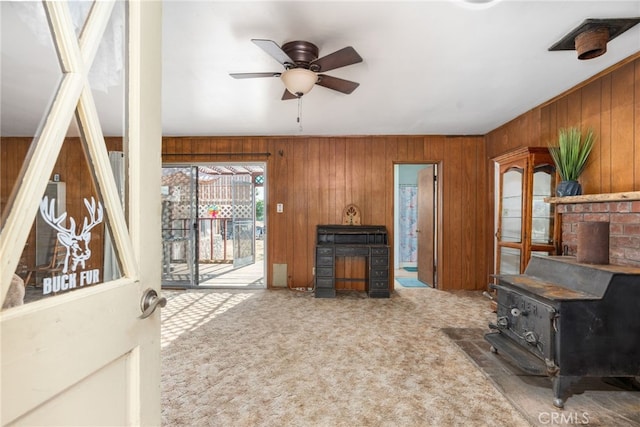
279, 208
313, 271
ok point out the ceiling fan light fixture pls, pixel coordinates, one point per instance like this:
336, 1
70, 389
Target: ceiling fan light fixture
299, 81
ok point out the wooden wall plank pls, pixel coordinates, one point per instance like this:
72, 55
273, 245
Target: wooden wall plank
469, 243
297, 205
316, 182
562, 113
391, 152
378, 184
636, 121
340, 179
605, 138
574, 108
622, 111
369, 174
548, 124
591, 101
485, 221
455, 203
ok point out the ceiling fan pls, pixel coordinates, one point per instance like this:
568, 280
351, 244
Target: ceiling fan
303, 68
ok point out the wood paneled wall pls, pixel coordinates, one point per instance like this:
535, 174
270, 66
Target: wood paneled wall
316, 177
609, 103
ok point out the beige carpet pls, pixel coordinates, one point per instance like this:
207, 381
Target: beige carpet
285, 358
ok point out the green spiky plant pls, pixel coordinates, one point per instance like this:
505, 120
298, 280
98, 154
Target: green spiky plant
571, 152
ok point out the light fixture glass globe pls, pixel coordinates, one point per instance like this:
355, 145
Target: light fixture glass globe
299, 81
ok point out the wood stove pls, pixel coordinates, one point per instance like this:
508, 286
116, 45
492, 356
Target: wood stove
569, 320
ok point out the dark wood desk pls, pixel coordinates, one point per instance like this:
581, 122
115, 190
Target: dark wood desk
368, 241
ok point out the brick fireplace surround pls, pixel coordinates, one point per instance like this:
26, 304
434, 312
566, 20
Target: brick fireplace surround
621, 210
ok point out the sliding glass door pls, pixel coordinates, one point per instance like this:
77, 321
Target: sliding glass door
211, 233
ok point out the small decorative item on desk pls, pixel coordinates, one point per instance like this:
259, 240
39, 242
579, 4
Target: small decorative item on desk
570, 155
351, 215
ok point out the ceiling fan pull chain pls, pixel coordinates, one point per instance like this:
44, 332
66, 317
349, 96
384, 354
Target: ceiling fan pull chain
299, 113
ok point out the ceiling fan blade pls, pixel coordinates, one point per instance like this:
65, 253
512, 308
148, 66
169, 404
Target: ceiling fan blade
253, 75
344, 86
274, 50
337, 59
288, 95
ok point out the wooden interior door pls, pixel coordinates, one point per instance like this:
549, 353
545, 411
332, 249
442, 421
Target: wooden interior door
85, 357
425, 225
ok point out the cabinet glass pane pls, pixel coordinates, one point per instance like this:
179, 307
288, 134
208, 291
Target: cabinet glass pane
511, 230
509, 261
542, 213
512, 183
511, 222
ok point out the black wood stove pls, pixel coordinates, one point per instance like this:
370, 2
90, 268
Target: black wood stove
569, 320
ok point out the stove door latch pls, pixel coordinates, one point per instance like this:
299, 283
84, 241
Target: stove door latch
503, 322
531, 337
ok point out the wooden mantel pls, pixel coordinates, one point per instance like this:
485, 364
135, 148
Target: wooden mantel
595, 198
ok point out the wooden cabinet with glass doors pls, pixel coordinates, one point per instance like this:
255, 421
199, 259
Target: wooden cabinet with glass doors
526, 224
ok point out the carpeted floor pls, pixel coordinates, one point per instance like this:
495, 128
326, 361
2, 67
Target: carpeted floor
285, 358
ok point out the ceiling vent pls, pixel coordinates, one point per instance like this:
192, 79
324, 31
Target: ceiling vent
590, 38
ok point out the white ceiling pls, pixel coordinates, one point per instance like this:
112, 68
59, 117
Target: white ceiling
449, 67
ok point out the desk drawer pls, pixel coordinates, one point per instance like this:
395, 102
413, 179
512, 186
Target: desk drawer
324, 261
352, 251
380, 251
380, 274
324, 250
324, 271
378, 261
378, 284
324, 283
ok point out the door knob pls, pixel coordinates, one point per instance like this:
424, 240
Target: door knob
150, 300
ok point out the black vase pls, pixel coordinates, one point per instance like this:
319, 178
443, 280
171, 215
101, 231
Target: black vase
568, 188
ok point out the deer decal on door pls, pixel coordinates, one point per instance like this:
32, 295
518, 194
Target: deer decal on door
76, 243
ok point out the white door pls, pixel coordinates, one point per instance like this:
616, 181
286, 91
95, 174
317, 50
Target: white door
84, 356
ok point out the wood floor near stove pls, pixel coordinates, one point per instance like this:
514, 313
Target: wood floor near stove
595, 402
